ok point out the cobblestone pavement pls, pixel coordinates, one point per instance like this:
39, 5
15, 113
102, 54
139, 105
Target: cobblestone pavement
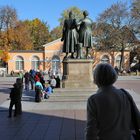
61, 117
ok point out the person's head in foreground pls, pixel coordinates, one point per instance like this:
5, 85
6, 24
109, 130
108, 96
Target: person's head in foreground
109, 115
104, 75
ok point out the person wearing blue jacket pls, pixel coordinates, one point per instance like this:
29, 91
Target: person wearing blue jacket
48, 91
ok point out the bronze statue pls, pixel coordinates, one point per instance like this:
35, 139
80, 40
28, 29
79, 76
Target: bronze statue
69, 35
85, 32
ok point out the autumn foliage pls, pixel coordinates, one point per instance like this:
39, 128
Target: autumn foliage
115, 29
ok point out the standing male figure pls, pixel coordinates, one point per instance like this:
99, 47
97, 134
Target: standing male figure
85, 32
69, 36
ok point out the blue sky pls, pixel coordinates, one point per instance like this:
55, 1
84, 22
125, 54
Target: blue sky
50, 10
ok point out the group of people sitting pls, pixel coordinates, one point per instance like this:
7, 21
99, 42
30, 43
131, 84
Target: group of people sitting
43, 89
42, 92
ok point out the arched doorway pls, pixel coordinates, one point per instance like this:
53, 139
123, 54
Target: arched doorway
19, 63
117, 61
35, 62
56, 69
105, 59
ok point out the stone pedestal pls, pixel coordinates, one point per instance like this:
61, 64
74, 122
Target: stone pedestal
77, 73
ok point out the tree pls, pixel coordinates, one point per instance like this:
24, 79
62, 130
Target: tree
135, 17
117, 17
56, 33
8, 19
105, 39
20, 37
135, 54
4, 57
39, 32
65, 14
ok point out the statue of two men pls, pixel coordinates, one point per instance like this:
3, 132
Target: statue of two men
77, 35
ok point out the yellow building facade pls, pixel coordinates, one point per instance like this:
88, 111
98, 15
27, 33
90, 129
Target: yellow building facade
50, 59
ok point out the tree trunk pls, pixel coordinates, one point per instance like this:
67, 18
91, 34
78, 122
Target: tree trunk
122, 58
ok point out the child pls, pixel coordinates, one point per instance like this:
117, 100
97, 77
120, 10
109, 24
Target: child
15, 96
47, 91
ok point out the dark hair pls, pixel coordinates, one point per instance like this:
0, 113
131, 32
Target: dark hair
104, 75
85, 13
19, 81
70, 13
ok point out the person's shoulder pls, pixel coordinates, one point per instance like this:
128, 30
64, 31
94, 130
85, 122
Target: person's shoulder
12, 90
93, 99
66, 20
94, 96
127, 93
54, 79
74, 20
90, 19
49, 88
37, 83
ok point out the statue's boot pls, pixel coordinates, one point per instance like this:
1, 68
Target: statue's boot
72, 55
79, 51
66, 56
87, 52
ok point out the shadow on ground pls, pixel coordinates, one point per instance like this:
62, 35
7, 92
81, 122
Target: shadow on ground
43, 125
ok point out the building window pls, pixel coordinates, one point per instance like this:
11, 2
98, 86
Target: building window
55, 65
35, 62
105, 59
19, 63
118, 59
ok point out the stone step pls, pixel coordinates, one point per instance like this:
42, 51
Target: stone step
75, 90
59, 98
62, 96
70, 99
70, 95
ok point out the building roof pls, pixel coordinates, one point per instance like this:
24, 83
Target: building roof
53, 42
27, 51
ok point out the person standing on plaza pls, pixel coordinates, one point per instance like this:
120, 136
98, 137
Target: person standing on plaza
69, 35
57, 82
116, 69
53, 82
110, 113
85, 32
15, 97
42, 81
38, 91
21, 75
36, 77
27, 80
32, 74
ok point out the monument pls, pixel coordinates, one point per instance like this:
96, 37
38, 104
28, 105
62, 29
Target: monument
77, 37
